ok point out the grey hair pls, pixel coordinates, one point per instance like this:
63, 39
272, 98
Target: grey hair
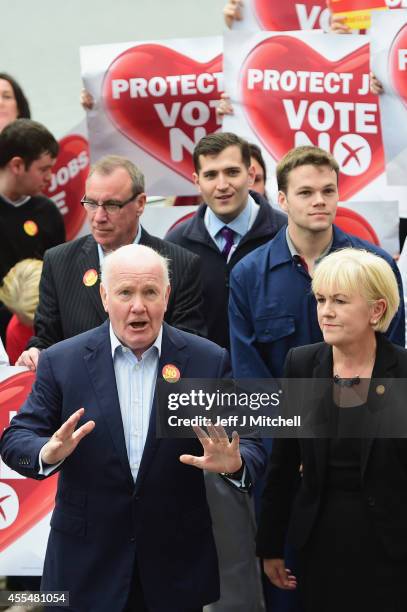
108, 164
136, 251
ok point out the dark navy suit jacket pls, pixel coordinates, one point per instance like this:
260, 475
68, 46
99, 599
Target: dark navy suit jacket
103, 522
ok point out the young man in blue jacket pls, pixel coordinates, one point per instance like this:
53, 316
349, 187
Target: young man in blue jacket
271, 306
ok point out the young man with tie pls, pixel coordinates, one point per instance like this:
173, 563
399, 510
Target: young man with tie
230, 223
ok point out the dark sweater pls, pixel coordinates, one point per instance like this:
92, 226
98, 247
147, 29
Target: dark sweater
19, 239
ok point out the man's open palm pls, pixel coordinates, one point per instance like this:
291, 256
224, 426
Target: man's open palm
220, 454
66, 438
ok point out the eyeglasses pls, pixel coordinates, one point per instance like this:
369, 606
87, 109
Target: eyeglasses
112, 207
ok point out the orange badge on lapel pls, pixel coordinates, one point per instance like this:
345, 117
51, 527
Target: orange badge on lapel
171, 373
90, 277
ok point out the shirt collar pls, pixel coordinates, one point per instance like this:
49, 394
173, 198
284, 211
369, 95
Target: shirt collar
240, 225
295, 253
115, 343
101, 253
22, 200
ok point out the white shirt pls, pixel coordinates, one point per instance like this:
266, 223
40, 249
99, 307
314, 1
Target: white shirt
4, 360
135, 381
240, 225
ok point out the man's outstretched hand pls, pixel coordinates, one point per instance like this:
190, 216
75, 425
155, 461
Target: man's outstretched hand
220, 453
66, 439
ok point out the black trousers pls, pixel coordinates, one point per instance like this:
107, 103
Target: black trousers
136, 602
343, 567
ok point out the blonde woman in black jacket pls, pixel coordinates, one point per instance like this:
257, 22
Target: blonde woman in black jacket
346, 513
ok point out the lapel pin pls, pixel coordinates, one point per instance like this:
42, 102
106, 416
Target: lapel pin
171, 373
30, 228
90, 277
380, 389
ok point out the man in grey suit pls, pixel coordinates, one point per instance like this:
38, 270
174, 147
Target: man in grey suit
69, 289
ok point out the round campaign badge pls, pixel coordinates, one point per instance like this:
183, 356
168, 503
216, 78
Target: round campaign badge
90, 277
30, 228
380, 389
171, 373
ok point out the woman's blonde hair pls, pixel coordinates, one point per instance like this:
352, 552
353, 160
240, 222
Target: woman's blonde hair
20, 289
355, 271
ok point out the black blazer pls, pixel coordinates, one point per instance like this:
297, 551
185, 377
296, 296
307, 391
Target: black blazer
68, 307
291, 503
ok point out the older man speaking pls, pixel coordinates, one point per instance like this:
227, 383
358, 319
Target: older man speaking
69, 289
131, 529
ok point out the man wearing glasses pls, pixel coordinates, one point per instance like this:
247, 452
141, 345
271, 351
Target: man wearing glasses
69, 290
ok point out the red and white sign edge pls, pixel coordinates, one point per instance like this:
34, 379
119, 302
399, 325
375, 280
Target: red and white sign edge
25, 556
104, 138
238, 45
384, 29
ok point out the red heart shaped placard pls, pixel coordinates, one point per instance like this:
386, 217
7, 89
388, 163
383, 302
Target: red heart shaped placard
34, 499
290, 15
398, 63
68, 181
158, 113
276, 115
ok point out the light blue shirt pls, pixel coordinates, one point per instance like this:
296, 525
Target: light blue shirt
240, 225
101, 253
135, 381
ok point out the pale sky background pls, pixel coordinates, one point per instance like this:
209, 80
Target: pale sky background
40, 40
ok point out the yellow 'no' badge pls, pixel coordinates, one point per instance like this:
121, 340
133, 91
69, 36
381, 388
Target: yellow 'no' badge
171, 373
